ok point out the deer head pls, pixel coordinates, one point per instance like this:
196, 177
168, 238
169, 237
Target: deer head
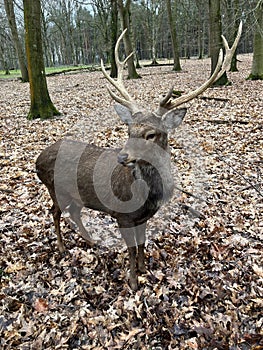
152, 127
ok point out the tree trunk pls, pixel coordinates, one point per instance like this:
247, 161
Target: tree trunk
45, 40
175, 46
114, 35
124, 12
154, 56
10, 13
201, 20
3, 60
153, 33
215, 29
41, 105
186, 42
257, 65
233, 66
233, 17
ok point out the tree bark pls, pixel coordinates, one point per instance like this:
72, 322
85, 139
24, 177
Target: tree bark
45, 40
41, 105
215, 30
257, 65
234, 14
201, 20
153, 6
3, 60
124, 12
10, 13
175, 46
114, 35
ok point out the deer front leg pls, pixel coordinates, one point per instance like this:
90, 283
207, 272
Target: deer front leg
133, 275
129, 235
140, 239
141, 258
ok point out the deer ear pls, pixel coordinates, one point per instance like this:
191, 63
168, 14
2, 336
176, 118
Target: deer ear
172, 119
124, 113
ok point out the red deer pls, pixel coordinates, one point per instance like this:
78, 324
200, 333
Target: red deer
130, 183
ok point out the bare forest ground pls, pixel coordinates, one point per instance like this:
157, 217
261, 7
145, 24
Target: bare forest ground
203, 288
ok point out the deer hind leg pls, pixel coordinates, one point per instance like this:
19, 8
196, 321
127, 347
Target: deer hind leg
56, 212
74, 211
128, 234
140, 239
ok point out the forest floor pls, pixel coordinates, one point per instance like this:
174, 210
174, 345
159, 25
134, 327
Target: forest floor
203, 286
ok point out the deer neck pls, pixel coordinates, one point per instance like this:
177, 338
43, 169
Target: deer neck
158, 178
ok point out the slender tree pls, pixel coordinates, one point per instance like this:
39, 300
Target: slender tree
175, 45
10, 13
235, 14
257, 65
3, 60
154, 8
215, 30
62, 16
124, 12
114, 36
41, 104
201, 25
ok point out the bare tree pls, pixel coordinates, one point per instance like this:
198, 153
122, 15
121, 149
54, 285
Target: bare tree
175, 46
154, 7
114, 37
3, 59
257, 66
215, 26
124, 12
201, 25
10, 13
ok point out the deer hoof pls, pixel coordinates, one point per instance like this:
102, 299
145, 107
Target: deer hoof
134, 284
141, 268
61, 249
91, 242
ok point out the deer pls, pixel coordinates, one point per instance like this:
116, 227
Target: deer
130, 183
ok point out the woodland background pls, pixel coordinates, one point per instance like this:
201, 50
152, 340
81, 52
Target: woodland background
203, 286
79, 32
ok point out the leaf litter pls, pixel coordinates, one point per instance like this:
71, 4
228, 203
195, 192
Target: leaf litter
203, 286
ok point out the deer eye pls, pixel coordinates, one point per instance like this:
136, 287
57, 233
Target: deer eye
150, 136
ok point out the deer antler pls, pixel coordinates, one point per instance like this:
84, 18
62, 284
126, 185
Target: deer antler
126, 99
222, 65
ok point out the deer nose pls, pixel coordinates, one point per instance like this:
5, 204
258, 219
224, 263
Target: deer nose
122, 157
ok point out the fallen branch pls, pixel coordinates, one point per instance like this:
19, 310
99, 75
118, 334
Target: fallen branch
214, 98
228, 122
157, 65
191, 194
257, 185
220, 157
7, 190
70, 70
193, 211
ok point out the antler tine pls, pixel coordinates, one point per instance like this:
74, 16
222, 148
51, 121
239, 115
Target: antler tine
222, 65
126, 99
167, 97
167, 104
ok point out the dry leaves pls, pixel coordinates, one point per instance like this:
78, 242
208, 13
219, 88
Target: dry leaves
203, 288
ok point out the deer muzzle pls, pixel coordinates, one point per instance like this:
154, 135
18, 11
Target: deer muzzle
123, 158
